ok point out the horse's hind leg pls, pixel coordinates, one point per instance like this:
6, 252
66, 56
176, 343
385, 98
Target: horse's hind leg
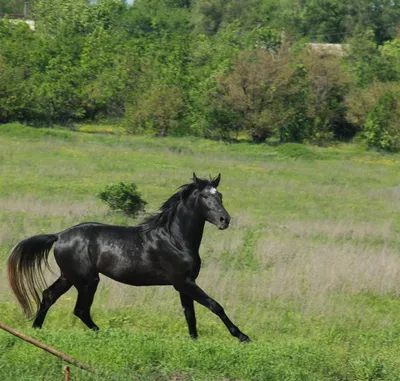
86, 291
50, 296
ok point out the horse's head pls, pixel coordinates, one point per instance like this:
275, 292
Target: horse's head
210, 202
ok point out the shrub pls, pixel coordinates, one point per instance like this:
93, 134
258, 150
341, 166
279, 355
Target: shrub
158, 113
376, 110
123, 198
382, 128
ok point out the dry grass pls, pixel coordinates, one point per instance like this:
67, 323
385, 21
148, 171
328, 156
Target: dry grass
31, 205
306, 271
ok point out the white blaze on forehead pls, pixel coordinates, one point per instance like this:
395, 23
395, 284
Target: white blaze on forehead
213, 191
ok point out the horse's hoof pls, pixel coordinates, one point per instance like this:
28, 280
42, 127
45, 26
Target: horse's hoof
245, 339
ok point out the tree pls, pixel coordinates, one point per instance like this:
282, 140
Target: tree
362, 57
12, 6
16, 67
325, 20
390, 55
157, 113
207, 16
262, 94
329, 84
332, 21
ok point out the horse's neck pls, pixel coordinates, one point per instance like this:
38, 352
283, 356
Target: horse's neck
190, 226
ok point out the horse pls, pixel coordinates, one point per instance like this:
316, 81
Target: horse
163, 250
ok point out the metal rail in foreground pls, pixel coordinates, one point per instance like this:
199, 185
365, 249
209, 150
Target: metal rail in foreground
46, 348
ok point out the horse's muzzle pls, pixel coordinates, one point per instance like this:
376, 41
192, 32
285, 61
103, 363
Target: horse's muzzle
224, 222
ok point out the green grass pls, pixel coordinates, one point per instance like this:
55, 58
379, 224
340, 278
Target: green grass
309, 268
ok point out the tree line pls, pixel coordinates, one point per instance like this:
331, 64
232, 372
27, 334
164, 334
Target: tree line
213, 68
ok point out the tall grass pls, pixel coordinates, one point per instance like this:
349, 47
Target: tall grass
309, 268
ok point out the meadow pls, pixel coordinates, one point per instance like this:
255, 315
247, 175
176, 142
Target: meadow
309, 268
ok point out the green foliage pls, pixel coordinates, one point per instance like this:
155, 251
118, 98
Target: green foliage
259, 95
382, 127
123, 198
325, 20
328, 83
13, 6
213, 68
157, 113
376, 110
390, 55
207, 16
330, 21
16, 41
363, 57
295, 96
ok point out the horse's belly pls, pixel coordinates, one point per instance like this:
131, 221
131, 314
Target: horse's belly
133, 272
137, 279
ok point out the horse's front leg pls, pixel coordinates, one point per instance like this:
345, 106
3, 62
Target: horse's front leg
188, 309
190, 288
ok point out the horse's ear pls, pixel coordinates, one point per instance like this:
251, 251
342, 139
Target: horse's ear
195, 179
216, 181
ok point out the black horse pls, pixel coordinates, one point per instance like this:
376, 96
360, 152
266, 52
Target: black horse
162, 250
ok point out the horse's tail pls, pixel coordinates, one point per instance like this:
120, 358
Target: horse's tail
25, 272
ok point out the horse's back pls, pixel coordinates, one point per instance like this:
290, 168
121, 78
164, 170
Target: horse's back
80, 247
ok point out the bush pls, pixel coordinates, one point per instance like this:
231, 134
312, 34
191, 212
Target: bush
123, 198
158, 113
376, 110
382, 128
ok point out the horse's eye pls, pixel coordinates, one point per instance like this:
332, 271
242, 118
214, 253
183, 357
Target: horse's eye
204, 195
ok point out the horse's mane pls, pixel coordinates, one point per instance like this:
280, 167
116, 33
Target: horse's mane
168, 208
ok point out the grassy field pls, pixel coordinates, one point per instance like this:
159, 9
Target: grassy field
309, 269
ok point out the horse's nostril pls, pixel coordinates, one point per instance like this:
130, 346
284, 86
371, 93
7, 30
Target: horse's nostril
222, 219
